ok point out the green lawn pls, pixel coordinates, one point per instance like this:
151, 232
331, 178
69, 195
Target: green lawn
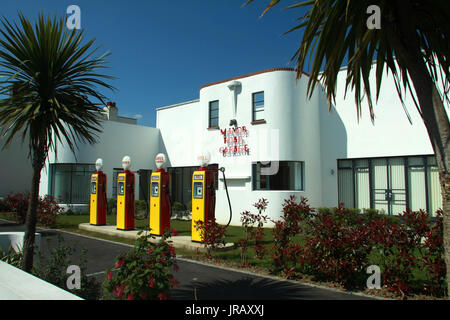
183, 227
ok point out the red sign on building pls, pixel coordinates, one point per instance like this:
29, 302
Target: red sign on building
234, 140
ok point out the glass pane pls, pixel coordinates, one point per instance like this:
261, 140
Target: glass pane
416, 181
434, 190
155, 190
214, 122
397, 185
415, 161
345, 164
121, 188
258, 97
258, 115
94, 187
80, 187
345, 187
258, 104
380, 184
214, 105
289, 176
214, 114
198, 190
61, 186
362, 188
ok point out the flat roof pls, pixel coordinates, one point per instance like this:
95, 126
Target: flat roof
177, 104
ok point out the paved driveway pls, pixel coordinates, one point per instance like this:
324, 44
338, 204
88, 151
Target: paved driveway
197, 280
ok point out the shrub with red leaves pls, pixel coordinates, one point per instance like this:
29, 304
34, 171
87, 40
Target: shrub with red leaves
47, 210
253, 231
18, 205
211, 234
340, 246
285, 251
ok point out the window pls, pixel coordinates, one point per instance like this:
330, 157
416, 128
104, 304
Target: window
280, 175
116, 172
213, 114
390, 185
71, 182
258, 106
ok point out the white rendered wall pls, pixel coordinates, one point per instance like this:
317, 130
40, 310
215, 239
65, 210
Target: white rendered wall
141, 143
291, 133
391, 134
15, 168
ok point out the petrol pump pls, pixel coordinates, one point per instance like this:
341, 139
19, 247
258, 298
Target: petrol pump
98, 201
125, 196
203, 195
159, 198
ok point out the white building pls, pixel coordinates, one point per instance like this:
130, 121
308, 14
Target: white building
273, 143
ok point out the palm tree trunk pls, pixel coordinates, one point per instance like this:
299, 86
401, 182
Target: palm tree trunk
31, 218
432, 111
437, 123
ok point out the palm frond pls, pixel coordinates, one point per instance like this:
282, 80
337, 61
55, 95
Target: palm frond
50, 77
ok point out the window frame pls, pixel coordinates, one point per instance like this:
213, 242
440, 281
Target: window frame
254, 176
210, 118
256, 109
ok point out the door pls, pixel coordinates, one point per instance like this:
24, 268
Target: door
389, 187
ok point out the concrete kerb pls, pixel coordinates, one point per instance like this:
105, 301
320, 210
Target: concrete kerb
181, 242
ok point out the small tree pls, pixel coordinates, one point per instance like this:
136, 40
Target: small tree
48, 91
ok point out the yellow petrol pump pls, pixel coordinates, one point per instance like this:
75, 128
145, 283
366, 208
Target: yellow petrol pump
98, 201
204, 195
159, 198
125, 196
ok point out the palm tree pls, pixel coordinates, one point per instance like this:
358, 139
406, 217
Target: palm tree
413, 44
48, 85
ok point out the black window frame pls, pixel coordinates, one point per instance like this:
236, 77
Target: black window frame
210, 118
254, 102
268, 178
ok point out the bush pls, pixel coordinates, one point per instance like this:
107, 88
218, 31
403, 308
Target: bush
286, 251
253, 231
337, 248
408, 250
140, 206
144, 273
3, 206
12, 257
177, 206
211, 234
189, 206
18, 205
111, 206
54, 270
48, 210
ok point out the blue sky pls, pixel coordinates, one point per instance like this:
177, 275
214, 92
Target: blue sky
163, 51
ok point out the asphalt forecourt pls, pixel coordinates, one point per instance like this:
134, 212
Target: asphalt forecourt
198, 281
